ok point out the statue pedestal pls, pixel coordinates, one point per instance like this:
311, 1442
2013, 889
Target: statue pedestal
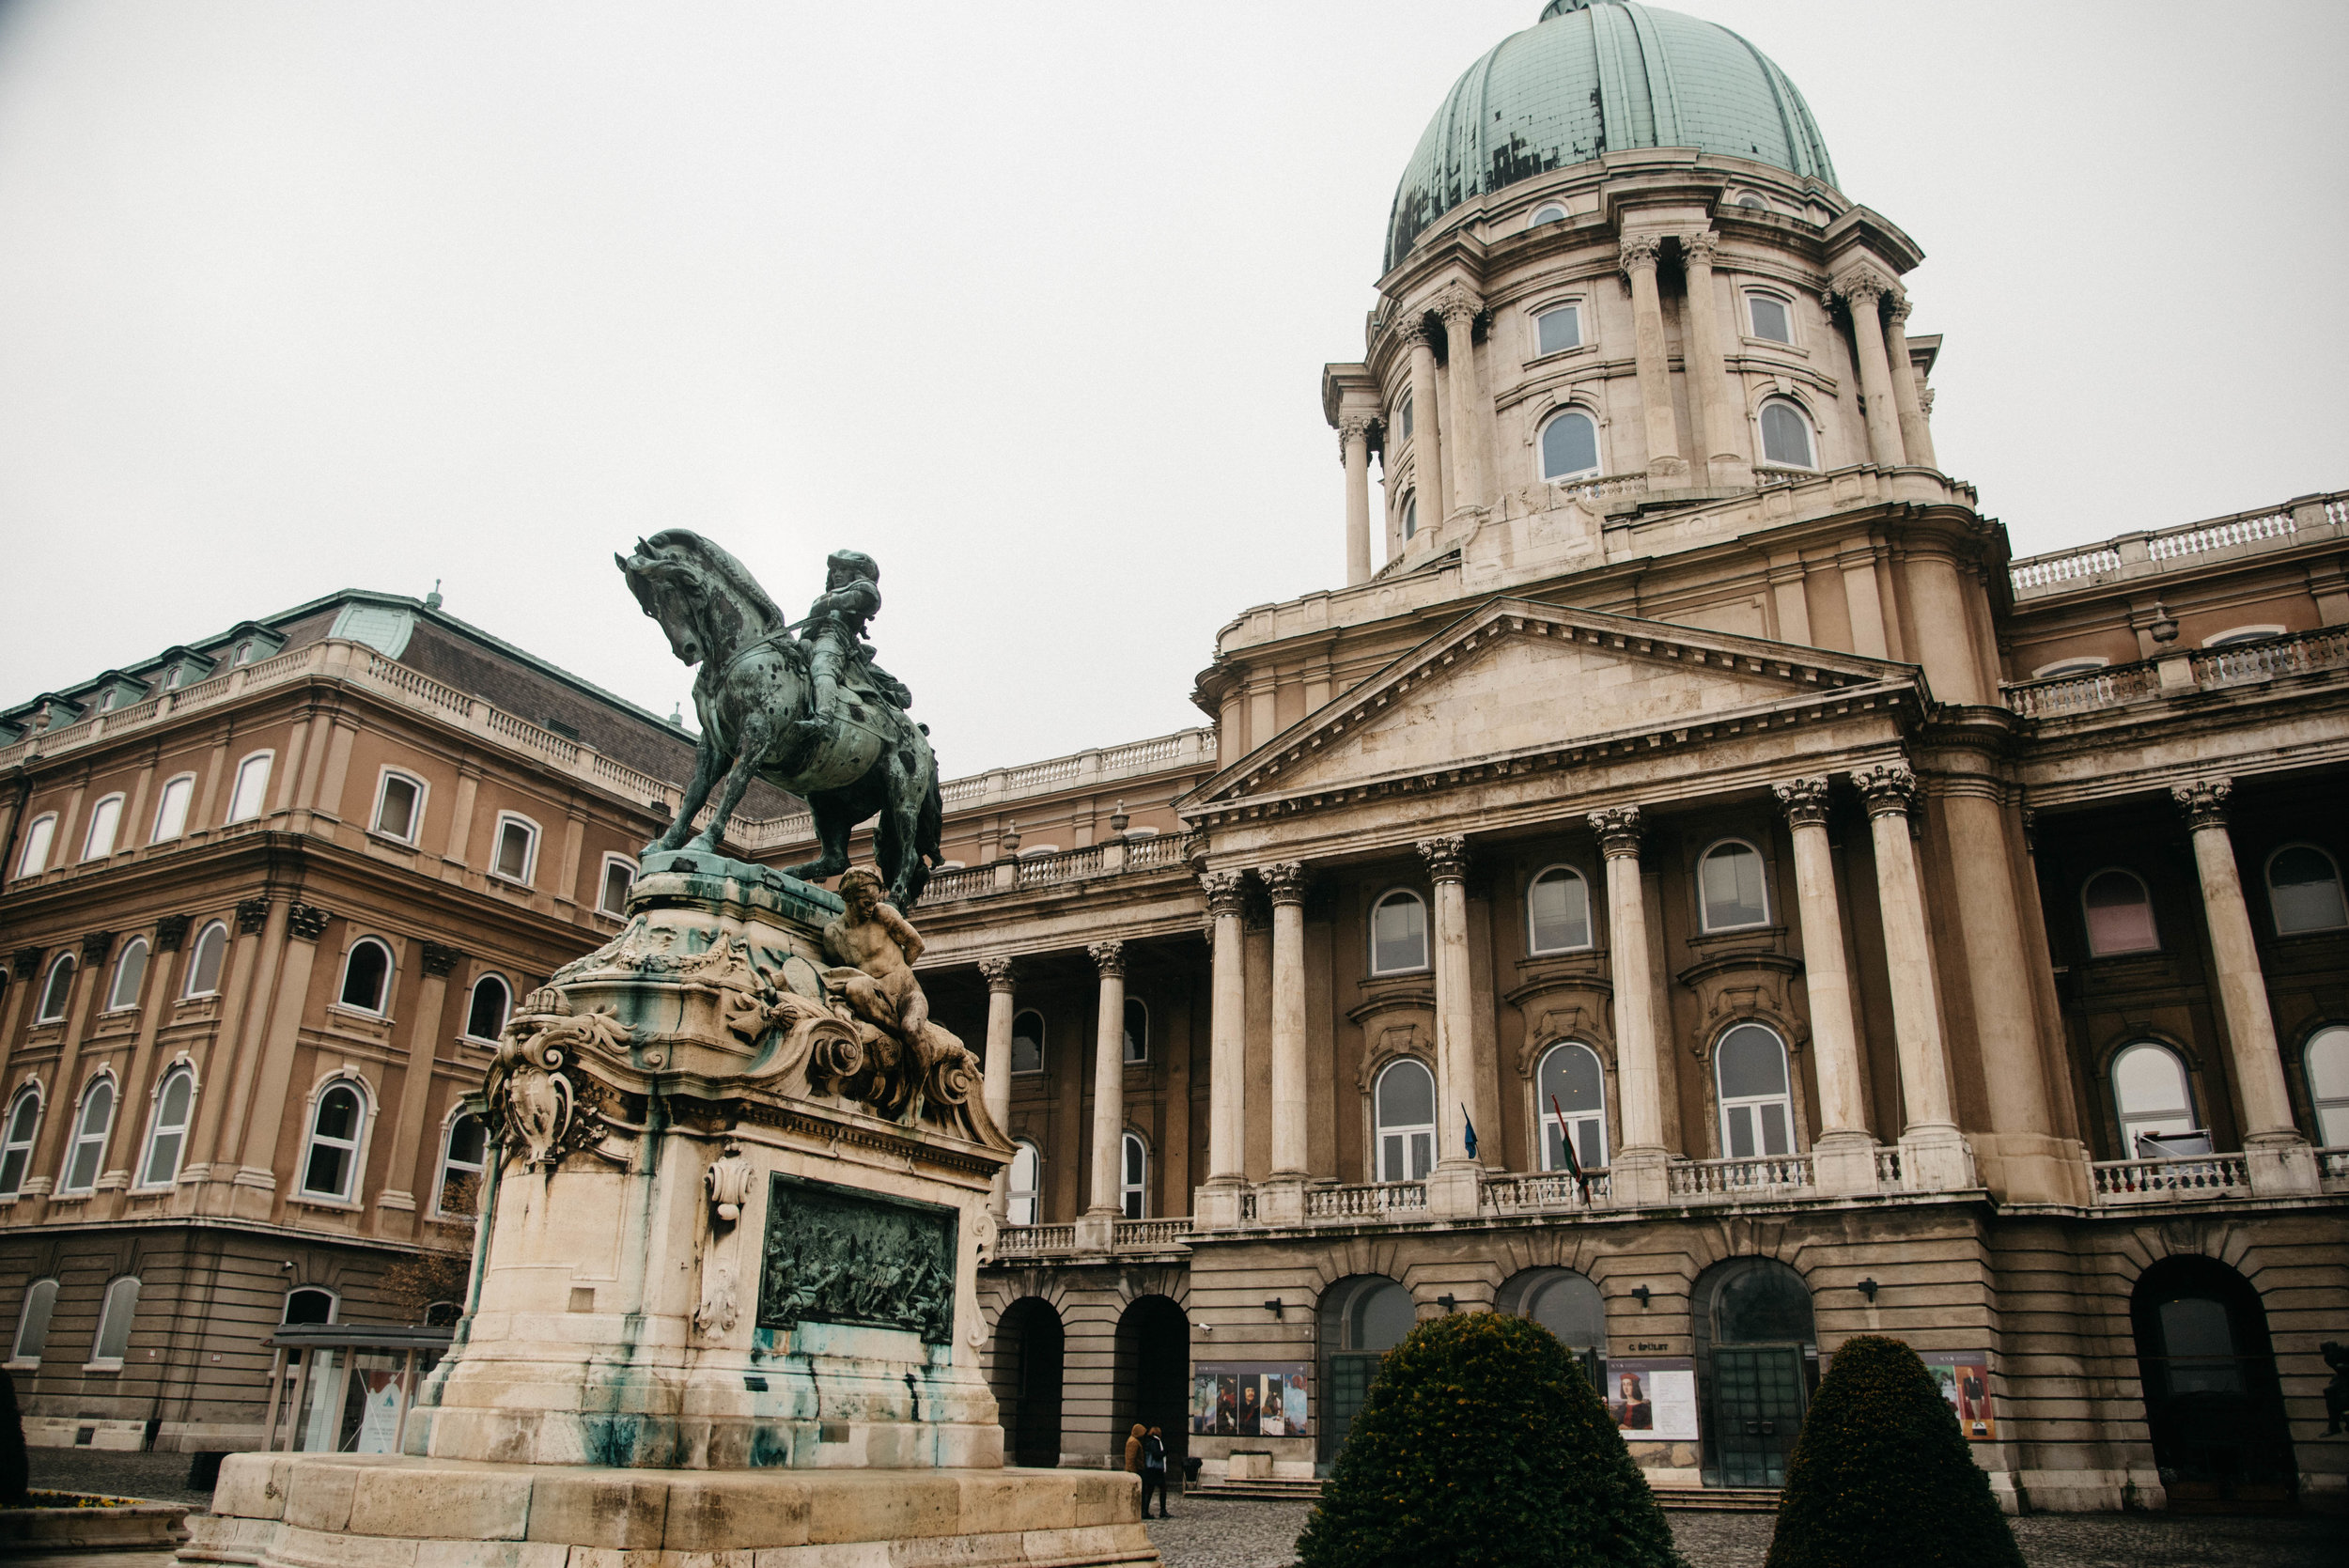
726, 1299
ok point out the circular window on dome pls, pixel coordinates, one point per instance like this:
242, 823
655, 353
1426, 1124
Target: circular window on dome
1752, 203
1569, 447
1549, 214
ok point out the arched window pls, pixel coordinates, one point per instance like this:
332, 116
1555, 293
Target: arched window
171, 808
1558, 911
464, 1153
1549, 212
1398, 934
2078, 666
205, 959
1402, 414
399, 806
1405, 1102
485, 1019
114, 1322
2120, 914
1768, 316
57, 994
16, 1139
130, 974
330, 1166
32, 1323
2328, 1060
1027, 1041
367, 976
1729, 887
1757, 1109
1558, 329
1786, 435
105, 823
1027, 1167
2236, 636
1752, 203
517, 858
308, 1305
2304, 888
38, 838
1137, 1030
91, 1124
1411, 513
1360, 1319
619, 875
1569, 447
1569, 1306
1570, 1096
251, 787
165, 1140
2150, 1092
1133, 1172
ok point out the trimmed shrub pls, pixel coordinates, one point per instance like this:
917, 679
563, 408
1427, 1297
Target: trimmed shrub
1881, 1474
1482, 1444
15, 1468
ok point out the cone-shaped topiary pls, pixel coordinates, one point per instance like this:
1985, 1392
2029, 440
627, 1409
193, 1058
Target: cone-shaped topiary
1482, 1444
1881, 1475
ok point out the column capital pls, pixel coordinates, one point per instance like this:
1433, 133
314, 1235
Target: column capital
171, 933
1804, 801
1352, 428
1896, 314
1699, 246
999, 972
25, 962
306, 921
95, 946
1618, 829
252, 915
1108, 956
1637, 251
1286, 880
1446, 856
1862, 287
1416, 333
2204, 801
1457, 304
439, 958
1225, 890
1888, 788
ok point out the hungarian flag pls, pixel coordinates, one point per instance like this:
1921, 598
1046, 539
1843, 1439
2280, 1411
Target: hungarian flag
1566, 1140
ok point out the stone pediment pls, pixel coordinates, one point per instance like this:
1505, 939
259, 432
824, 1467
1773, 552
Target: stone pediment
1514, 680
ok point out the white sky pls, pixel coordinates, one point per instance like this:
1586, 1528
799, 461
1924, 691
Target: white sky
1029, 300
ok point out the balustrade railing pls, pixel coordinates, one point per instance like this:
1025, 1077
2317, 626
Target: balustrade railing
1153, 1232
2092, 689
2298, 653
1366, 1203
1735, 1178
1549, 1191
2304, 653
2332, 1165
962, 882
1068, 865
1888, 1166
1024, 1241
2170, 544
2138, 1181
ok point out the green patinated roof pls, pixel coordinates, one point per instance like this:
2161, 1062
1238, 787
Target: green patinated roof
1598, 77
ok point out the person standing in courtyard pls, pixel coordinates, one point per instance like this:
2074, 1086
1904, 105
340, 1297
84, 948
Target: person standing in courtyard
1133, 1448
1154, 1472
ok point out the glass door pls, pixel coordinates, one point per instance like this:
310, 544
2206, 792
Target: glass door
1757, 1409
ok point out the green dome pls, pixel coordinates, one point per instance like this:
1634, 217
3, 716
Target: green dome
1598, 77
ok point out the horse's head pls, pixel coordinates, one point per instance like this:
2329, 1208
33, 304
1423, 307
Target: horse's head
673, 592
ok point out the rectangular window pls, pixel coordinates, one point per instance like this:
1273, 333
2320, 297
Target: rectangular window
103, 823
1559, 329
246, 800
515, 844
396, 808
618, 876
171, 812
37, 841
1769, 318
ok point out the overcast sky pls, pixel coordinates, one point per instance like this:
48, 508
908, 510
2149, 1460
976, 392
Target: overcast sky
1029, 300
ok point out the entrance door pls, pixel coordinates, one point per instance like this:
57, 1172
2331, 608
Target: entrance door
1757, 1409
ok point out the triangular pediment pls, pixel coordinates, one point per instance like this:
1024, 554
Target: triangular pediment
1515, 679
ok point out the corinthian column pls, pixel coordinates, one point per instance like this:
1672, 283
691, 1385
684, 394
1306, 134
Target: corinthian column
1109, 1076
1932, 1154
1649, 353
1000, 975
1844, 1153
1217, 1203
1466, 417
1354, 449
2279, 1157
1862, 291
1428, 479
1916, 434
1451, 1186
1639, 1166
1286, 880
1709, 390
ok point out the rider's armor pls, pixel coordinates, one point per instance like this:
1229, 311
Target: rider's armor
833, 634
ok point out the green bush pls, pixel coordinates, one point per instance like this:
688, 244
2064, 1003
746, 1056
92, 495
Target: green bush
1881, 1474
14, 1468
1482, 1444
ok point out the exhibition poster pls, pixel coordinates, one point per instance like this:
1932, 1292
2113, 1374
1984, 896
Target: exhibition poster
1250, 1399
1965, 1379
1654, 1401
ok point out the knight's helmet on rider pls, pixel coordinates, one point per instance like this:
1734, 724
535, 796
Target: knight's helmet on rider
855, 563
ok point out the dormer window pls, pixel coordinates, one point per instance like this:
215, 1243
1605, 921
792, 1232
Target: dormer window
244, 653
1558, 329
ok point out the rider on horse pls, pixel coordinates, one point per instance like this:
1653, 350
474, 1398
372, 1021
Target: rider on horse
834, 631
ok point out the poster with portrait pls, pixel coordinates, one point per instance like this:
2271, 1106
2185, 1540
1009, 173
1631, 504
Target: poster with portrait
1965, 1379
1250, 1399
1653, 1400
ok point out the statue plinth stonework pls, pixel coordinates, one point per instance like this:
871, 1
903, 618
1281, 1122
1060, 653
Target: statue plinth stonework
726, 1299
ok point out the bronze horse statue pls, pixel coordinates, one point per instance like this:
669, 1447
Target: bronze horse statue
752, 686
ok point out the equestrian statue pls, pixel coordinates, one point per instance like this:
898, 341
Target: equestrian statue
800, 705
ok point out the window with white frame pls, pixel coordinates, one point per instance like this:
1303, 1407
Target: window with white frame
130, 975
251, 792
399, 806
113, 1324
1027, 1166
92, 1122
1134, 1170
57, 994
16, 1139
32, 1324
367, 976
619, 875
1786, 435
1411, 513
1757, 1106
2304, 889
167, 1138
1569, 446
1730, 889
330, 1163
2078, 666
308, 1305
205, 958
1558, 911
2238, 634
1770, 317
1027, 1041
1571, 1089
464, 1153
2151, 1095
38, 838
1402, 414
244, 654
171, 808
1403, 1103
1549, 212
2326, 1058
1558, 328
105, 825
1398, 934
1137, 1030
485, 1013
516, 855
2120, 914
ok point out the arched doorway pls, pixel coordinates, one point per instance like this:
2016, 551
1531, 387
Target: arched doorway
2211, 1396
1028, 1344
1757, 1358
1361, 1319
1152, 1375
1569, 1306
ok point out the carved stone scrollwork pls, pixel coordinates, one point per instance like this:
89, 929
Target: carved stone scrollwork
1862, 288
1226, 891
1352, 428
532, 1092
1896, 313
999, 973
95, 946
1108, 959
1637, 251
1618, 829
171, 933
306, 921
1446, 856
1286, 881
1804, 800
1458, 307
1698, 248
1416, 333
252, 915
728, 1184
1886, 788
2204, 801
439, 958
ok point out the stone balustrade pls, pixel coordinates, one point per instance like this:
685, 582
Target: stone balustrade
2186, 671
2143, 1181
2149, 553
1720, 1180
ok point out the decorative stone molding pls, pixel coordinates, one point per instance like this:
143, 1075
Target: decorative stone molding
439, 958
95, 946
171, 932
1456, 304
1699, 246
1227, 892
1286, 881
1804, 800
252, 915
1637, 251
306, 921
1446, 856
26, 962
1618, 829
1000, 973
1352, 428
2204, 803
1864, 288
2030, 831
1886, 789
1109, 957
1416, 333
1896, 314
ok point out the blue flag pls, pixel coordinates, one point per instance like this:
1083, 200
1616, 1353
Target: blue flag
1471, 1132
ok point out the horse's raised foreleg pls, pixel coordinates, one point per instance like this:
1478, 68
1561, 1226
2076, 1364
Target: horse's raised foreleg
707, 765
756, 730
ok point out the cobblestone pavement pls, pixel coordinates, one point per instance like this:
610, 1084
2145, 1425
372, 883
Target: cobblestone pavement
154, 1477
